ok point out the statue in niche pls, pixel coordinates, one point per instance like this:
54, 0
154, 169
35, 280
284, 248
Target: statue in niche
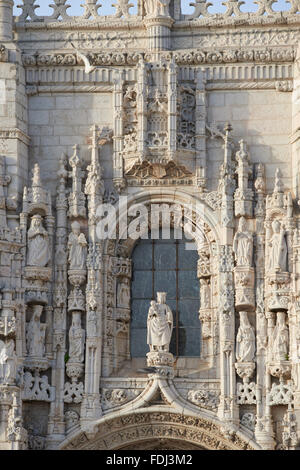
35, 333
8, 362
280, 339
278, 248
124, 294
159, 324
205, 293
76, 339
245, 340
77, 245
38, 243
156, 8
243, 244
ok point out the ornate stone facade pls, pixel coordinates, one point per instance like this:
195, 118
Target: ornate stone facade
154, 110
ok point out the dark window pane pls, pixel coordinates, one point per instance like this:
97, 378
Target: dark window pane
138, 342
189, 313
165, 281
141, 287
142, 256
164, 256
187, 259
139, 312
189, 342
188, 284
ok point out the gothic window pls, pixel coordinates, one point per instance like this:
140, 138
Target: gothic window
166, 266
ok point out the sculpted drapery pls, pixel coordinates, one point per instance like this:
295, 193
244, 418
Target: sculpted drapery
77, 245
278, 248
159, 324
38, 243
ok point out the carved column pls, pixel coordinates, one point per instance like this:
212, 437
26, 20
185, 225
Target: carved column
200, 138
56, 425
91, 406
228, 409
295, 137
142, 107
159, 32
6, 20
118, 178
94, 188
262, 436
172, 108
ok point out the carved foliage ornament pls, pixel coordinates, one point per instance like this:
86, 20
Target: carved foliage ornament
194, 57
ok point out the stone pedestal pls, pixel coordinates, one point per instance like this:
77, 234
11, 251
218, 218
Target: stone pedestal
245, 370
244, 288
162, 363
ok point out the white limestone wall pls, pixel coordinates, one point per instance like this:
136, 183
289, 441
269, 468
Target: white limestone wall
261, 117
13, 123
59, 121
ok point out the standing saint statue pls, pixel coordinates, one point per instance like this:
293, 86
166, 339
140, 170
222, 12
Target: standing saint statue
159, 324
280, 339
245, 340
77, 245
156, 8
124, 293
278, 248
35, 333
243, 244
76, 339
38, 243
8, 362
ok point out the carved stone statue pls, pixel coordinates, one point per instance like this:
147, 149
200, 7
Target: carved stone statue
35, 333
8, 362
156, 8
38, 243
243, 244
278, 248
280, 339
124, 294
76, 339
77, 245
245, 340
205, 293
159, 324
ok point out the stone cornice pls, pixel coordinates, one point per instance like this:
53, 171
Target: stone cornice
81, 24
137, 22
15, 133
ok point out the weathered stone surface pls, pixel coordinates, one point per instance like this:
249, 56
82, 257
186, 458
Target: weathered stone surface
171, 111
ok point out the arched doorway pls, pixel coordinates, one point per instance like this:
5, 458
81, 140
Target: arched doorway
156, 427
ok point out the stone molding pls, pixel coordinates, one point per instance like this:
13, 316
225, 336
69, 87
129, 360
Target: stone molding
15, 133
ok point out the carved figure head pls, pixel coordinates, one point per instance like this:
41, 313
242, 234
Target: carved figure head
276, 226
37, 312
36, 221
244, 321
75, 227
76, 320
242, 224
161, 297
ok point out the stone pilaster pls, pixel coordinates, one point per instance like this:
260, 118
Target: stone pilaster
159, 33
6, 20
